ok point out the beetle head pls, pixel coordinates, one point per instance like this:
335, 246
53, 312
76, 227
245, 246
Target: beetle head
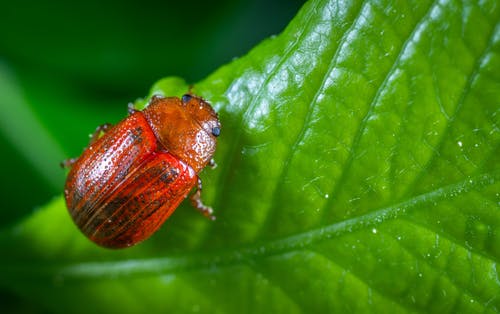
186, 127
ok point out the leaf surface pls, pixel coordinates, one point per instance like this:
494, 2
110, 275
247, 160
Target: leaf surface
358, 171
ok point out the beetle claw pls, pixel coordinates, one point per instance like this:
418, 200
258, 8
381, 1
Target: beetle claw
131, 109
212, 163
197, 203
155, 98
67, 163
101, 128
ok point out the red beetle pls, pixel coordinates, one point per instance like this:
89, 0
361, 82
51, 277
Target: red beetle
127, 182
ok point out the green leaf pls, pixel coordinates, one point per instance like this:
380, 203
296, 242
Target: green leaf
15, 109
358, 171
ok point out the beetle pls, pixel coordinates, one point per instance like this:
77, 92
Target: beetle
128, 181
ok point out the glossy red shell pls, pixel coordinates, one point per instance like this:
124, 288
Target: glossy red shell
126, 184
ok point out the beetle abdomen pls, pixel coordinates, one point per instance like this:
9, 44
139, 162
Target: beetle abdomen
152, 191
122, 188
105, 164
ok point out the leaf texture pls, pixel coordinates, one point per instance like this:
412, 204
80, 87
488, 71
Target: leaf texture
358, 171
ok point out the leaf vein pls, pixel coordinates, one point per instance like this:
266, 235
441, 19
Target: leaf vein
220, 258
372, 105
255, 268
307, 119
471, 77
380, 292
232, 152
444, 271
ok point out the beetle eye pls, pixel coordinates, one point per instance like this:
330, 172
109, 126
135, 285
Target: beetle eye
216, 131
186, 98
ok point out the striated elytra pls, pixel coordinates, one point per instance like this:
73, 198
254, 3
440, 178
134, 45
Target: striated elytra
128, 182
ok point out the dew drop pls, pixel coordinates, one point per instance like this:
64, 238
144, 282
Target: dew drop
459, 143
374, 231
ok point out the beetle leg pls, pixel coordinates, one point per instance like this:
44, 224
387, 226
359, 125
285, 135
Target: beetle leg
155, 98
131, 109
67, 163
102, 128
212, 163
198, 204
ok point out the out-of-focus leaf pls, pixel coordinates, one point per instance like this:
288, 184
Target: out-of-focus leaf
358, 172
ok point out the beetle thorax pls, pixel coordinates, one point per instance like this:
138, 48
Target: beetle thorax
184, 129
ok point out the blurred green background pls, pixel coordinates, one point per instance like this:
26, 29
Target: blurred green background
67, 66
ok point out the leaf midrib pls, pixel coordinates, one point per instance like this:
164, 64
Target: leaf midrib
188, 262
476, 69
